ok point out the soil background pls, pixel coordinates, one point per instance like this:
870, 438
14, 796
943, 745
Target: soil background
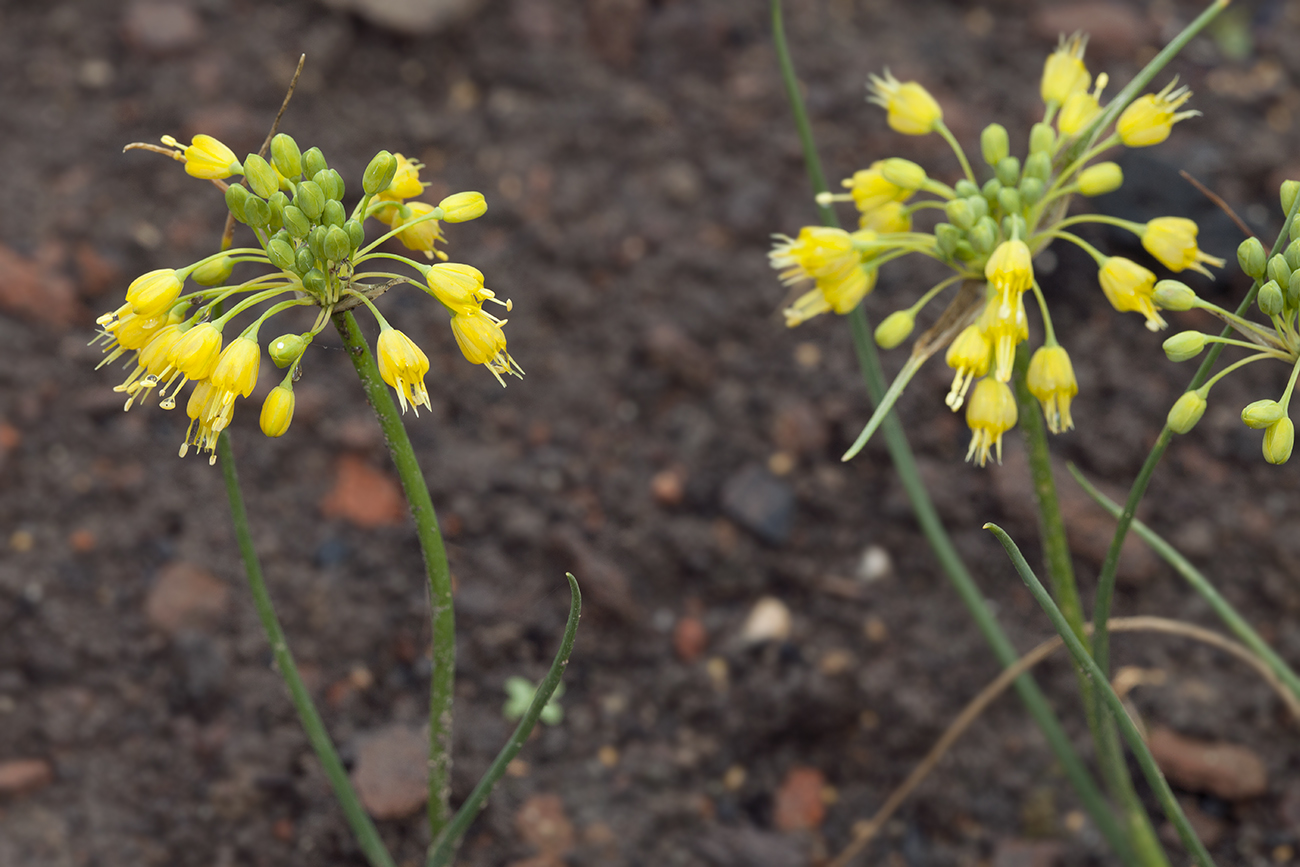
672, 444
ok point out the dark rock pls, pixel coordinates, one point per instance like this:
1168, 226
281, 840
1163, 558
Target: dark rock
759, 502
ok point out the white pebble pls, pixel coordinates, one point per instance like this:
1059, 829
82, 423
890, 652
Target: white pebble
768, 620
875, 564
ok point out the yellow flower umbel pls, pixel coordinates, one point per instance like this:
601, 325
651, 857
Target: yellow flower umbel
205, 158
911, 109
1064, 73
403, 365
969, 356
1149, 119
1128, 287
1172, 240
829, 258
1051, 380
990, 413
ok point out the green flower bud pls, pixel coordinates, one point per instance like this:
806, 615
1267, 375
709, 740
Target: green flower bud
277, 201
1013, 226
314, 281
337, 188
965, 189
1186, 412
1184, 345
236, 196
1031, 190
463, 207
984, 235
895, 329
296, 222
1294, 231
1009, 200
356, 232
304, 261
257, 213
337, 244
1279, 439
1008, 171
1041, 139
1292, 254
899, 172
964, 251
287, 348
379, 174
281, 255
313, 161
1039, 165
994, 143
946, 235
1101, 179
1173, 295
333, 215
1262, 413
260, 176
1270, 299
1287, 194
325, 180
1293, 290
214, 272
978, 204
316, 241
991, 189
286, 157
1252, 258
1279, 271
310, 199
959, 213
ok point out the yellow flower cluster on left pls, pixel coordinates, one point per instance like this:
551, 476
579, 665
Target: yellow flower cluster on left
311, 250
990, 231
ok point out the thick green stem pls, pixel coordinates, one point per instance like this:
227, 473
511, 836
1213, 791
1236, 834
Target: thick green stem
441, 613
1173, 810
1065, 590
362, 826
444, 846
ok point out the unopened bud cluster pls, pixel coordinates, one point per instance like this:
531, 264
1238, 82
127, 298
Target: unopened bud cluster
310, 248
1277, 299
993, 225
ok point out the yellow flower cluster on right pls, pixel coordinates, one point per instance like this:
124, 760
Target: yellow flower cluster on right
314, 248
992, 228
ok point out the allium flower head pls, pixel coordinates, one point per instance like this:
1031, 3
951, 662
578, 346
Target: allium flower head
1064, 73
1128, 287
1172, 240
912, 110
990, 413
1149, 119
1051, 380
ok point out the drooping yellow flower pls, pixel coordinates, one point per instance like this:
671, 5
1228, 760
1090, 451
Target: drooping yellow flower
196, 353
1172, 240
206, 157
419, 236
277, 411
152, 365
403, 365
1149, 119
124, 331
889, 217
912, 110
839, 293
1005, 326
1051, 380
1064, 73
406, 183
208, 418
482, 341
1128, 287
828, 257
870, 189
1080, 107
235, 373
153, 293
457, 286
969, 356
1010, 269
990, 413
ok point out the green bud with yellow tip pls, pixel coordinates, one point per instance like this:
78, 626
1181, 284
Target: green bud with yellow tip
1252, 258
1279, 440
260, 176
1174, 295
1101, 179
463, 207
286, 157
214, 272
379, 174
995, 144
287, 348
1186, 412
1184, 345
895, 328
1262, 413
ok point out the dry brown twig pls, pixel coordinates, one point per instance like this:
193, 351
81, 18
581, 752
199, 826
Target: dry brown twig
865, 832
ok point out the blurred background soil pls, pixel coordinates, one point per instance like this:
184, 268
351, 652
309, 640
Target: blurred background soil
768, 646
